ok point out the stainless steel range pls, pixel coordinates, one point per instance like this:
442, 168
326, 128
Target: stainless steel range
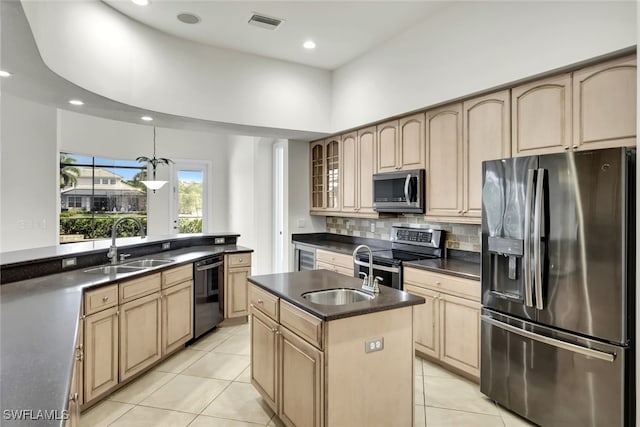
408, 243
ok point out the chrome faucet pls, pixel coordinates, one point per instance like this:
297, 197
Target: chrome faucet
113, 249
369, 283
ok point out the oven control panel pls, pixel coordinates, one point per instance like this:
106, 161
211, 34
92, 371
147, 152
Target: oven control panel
418, 236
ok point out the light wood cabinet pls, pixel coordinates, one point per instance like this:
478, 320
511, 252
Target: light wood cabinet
177, 316
388, 153
401, 144
325, 176
541, 116
349, 169
317, 176
140, 334
120, 341
75, 392
445, 161
487, 136
411, 142
237, 268
301, 381
308, 370
340, 263
447, 327
367, 152
264, 357
426, 330
101, 353
604, 105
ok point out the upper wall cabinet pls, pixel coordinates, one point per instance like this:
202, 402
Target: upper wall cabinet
367, 157
487, 136
349, 181
604, 105
444, 161
541, 116
401, 144
325, 176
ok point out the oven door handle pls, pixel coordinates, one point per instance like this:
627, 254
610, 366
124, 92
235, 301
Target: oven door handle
379, 267
210, 266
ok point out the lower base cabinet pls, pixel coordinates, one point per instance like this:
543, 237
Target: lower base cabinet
301, 365
130, 326
264, 360
446, 328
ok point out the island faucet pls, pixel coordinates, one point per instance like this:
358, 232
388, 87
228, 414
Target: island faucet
113, 249
369, 283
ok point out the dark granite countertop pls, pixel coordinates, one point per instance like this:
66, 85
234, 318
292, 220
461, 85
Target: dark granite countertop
454, 267
338, 243
38, 327
291, 286
346, 244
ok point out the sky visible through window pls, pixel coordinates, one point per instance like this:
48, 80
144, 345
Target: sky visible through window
128, 174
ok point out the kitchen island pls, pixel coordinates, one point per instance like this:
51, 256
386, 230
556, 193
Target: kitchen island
331, 365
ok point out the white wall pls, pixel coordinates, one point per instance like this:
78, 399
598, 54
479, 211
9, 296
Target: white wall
473, 46
28, 175
101, 50
91, 135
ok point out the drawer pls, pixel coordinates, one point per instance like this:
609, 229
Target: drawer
177, 275
238, 260
302, 323
101, 298
443, 283
340, 260
263, 301
137, 288
342, 270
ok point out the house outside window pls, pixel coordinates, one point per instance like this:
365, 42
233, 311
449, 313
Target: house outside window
95, 192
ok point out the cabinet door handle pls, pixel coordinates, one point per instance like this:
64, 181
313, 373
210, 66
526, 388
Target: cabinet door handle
117, 312
575, 147
73, 397
566, 147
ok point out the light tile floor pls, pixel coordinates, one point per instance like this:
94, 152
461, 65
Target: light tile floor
208, 385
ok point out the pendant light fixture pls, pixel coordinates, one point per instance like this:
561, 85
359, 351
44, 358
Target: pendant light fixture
154, 184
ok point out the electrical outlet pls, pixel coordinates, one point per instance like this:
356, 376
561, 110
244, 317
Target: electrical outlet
218, 241
69, 262
166, 245
376, 344
373, 227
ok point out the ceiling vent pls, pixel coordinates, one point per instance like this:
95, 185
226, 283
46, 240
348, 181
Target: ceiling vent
266, 22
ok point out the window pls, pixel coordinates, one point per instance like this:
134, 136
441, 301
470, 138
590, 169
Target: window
95, 192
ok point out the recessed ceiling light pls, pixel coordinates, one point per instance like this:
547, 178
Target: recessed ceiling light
309, 44
5, 73
188, 18
140, 2
76, 102
146, 118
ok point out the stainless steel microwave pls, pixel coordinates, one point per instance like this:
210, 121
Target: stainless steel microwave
399, 192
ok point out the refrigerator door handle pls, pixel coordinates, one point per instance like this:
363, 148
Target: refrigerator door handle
528, 292
537, 239
589, 352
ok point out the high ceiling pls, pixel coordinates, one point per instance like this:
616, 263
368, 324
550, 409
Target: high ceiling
342, 30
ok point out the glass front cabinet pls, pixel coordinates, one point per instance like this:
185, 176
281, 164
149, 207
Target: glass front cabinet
325, 175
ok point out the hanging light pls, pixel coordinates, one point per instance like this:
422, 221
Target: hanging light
154, 184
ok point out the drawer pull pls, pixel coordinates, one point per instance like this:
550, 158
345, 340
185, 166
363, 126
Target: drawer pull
240, 260
260, 301
105, 299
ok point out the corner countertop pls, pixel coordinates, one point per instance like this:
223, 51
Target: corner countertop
291, 286
38, 328
454, 267
344, 246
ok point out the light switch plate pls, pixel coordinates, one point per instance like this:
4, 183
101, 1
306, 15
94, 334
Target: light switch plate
376, 344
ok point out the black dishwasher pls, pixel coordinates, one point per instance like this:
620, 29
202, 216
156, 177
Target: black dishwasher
208, 294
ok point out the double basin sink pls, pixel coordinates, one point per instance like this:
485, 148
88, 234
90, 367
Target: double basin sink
129, 267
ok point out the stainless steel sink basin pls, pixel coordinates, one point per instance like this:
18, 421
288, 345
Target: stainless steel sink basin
340, 296
114, 269
148, 263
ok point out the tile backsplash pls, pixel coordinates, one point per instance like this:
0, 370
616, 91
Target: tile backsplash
465, 237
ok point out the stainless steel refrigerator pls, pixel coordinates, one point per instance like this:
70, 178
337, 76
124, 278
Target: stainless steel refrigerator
558, 279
